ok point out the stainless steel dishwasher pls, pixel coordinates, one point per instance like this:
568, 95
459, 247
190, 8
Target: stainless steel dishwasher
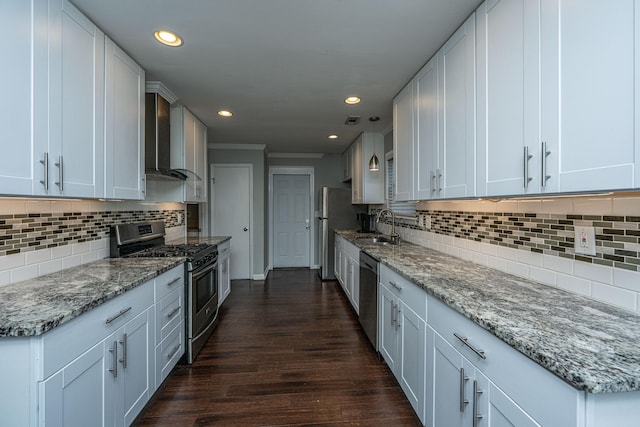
368, 311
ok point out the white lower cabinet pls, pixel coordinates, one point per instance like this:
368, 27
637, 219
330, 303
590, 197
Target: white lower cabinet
402, 312
347, 269
224, 268
102, 367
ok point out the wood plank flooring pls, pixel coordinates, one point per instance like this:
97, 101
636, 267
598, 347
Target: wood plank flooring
288, 351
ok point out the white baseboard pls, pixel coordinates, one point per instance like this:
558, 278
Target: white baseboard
262, 276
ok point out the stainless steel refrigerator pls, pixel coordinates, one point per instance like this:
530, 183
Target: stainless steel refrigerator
335, 213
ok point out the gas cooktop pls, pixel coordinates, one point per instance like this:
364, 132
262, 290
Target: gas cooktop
189, 250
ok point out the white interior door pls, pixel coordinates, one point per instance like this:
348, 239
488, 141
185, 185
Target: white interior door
291, 220
231, 213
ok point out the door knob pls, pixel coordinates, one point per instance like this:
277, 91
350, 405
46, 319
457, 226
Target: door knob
245, 229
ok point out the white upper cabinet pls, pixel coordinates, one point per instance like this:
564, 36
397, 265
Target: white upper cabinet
403, 137
457, 136
508, 97
552, 115
72, 132
18, 174
367, 186
124, 118
425, 148
188, 152
590, 93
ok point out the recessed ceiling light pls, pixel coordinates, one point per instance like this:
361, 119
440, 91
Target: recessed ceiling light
333, 137
225, 113
352, 100
168, 38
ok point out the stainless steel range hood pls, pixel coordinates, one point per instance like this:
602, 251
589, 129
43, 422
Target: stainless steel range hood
158, 140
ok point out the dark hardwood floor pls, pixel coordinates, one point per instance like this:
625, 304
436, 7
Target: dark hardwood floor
287, 351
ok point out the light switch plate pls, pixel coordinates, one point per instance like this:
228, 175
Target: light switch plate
585, 240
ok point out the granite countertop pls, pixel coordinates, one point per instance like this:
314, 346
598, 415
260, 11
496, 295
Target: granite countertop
36, 306
212, 240
591, 345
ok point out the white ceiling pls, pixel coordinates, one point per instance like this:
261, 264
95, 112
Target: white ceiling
283, 67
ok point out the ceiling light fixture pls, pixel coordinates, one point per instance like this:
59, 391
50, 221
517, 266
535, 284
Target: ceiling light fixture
374, 163
333, 137
225, 113
351, 100
168, 38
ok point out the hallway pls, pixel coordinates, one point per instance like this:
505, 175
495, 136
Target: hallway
287, 351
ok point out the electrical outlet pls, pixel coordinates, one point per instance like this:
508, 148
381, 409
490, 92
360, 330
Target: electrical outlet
585, 240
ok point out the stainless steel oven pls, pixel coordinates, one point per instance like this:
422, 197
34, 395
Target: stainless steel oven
201, 291
202, 300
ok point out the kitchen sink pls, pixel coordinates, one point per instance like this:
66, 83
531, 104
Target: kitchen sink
377, 239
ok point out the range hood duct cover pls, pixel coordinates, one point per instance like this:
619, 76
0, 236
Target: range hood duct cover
158, 140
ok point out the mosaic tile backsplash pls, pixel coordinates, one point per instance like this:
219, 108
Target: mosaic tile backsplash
617, 237
33, 231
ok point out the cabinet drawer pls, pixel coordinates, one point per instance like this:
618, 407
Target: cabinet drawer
410, 294
169, 312
548, 399
68, 341
168, 352
224, 249
168, 281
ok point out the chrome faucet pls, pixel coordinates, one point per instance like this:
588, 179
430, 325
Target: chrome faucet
394, 239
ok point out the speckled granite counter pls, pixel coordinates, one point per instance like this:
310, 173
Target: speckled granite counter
36, 306
590, 345
212, 240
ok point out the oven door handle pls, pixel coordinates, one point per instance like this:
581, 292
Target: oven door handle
199, 273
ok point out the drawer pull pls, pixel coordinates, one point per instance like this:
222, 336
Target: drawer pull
123, 343
465, 341
176, 280
395, 285
173, 351
173, 312
122, 312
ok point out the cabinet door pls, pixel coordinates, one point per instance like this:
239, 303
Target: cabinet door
504, 412
356, 171
425, 156
226, 282
75, 139
508, 79
124, 144
355, 284
403, 135
590, 119
411, 375
137, 353
450, 385
76, 395
456, 157
337, 260
18, 174
201, 161
387, 335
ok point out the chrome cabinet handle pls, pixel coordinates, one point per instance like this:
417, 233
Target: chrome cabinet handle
463, 380
439, 172
465, 341
398, 311
433, 182
393, 313
123, 343
45, 162
476, 393
527, 157
176, 280
173, 312
245, 229
114, 365
395, 285
545, 154
173, 351
114, 317
60, 166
